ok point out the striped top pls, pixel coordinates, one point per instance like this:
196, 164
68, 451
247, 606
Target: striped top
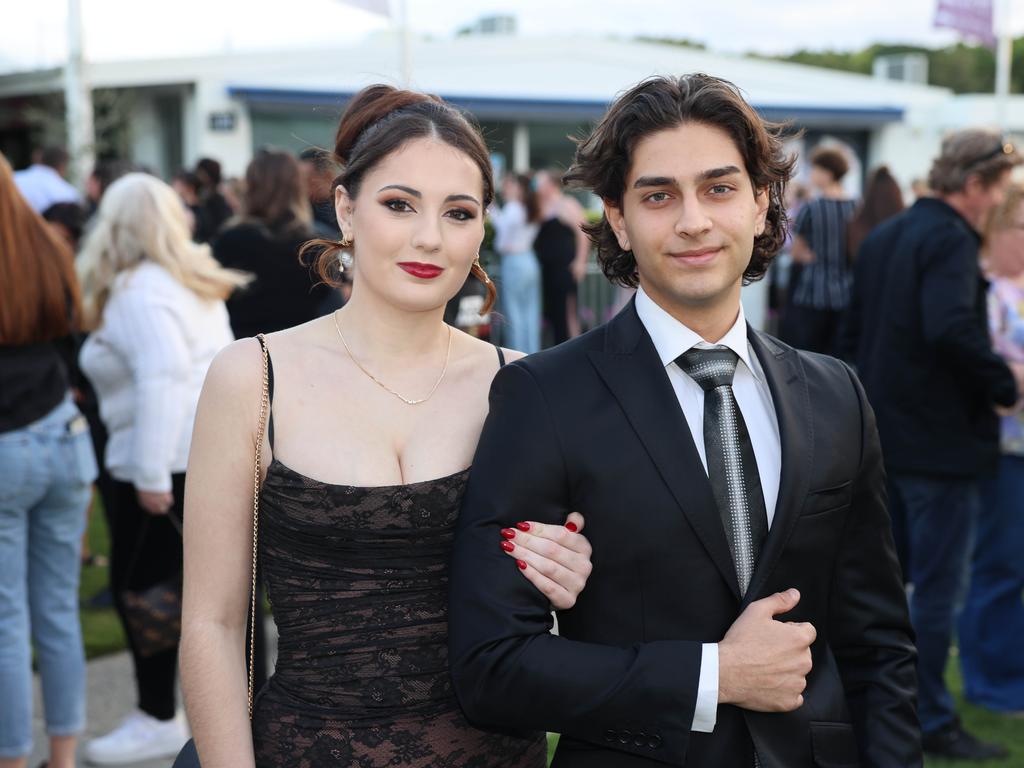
147, 362
824, 283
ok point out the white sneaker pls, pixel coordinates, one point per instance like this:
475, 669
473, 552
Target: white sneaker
138, 737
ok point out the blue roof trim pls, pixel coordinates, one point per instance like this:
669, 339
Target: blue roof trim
488, 107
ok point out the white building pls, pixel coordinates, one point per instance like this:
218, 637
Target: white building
528, 93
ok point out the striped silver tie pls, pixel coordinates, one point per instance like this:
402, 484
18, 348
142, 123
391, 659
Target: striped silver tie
732, 468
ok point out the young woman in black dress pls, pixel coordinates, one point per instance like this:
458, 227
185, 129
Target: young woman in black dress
375, 415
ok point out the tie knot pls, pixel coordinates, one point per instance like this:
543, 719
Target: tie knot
710, 368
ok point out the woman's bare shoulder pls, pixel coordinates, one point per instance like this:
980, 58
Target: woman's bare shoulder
484, 354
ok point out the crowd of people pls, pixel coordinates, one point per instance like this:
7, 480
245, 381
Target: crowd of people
923, 302
117, 306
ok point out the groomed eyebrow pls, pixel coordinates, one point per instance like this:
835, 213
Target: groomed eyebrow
668, 181
654, 181
717, 173
419, 195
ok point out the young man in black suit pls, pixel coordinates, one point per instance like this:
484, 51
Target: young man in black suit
745, 606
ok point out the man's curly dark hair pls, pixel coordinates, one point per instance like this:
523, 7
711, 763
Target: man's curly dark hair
659, 103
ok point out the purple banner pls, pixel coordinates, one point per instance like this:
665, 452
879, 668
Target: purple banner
971, 18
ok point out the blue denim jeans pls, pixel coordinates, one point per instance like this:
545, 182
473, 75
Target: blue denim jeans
46, 473
992, 623
941, 516
520, 301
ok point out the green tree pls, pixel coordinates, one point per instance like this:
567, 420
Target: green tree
961, 67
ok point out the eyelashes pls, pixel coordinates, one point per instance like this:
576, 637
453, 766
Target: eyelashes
398, 205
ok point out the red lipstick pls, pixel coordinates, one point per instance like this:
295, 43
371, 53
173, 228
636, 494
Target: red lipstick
424, 271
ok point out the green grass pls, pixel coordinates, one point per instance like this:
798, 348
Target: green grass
985, 725
102, 633
101, 629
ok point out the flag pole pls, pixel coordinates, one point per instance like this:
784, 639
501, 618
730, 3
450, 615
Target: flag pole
78, 101
405, 43
1004, 54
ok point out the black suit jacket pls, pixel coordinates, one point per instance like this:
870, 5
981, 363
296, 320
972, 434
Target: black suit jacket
594, 425
917, 332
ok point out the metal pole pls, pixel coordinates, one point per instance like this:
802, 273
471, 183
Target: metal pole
1004, 54
78, 101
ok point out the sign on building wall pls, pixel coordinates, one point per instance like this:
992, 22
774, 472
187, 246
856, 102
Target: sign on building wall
222, 122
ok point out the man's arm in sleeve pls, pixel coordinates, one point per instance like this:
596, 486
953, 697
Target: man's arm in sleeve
949, 292
508, 670
869, 626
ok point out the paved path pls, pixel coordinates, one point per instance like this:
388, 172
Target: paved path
111, 694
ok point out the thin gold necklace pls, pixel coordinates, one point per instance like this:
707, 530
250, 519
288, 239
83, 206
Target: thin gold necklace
384, 386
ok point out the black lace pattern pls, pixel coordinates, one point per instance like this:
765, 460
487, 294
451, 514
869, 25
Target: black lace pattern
358, 581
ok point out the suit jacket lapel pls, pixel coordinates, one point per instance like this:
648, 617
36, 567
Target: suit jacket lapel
788, 386
632, 370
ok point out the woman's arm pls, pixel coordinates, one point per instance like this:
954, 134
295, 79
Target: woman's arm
218, 556
573, 215
148, 332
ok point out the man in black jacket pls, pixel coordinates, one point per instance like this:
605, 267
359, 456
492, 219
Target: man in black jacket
918, 334
745, 607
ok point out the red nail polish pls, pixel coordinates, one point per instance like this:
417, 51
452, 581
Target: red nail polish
508, 546
572, 527
521, 564
523, 526
508, 533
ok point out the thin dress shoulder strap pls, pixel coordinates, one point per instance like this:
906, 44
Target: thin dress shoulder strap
501, 356
270, 392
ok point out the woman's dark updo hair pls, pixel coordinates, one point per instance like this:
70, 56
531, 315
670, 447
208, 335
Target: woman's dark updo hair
659, 103
379, 121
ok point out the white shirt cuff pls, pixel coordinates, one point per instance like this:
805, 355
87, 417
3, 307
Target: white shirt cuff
705, 714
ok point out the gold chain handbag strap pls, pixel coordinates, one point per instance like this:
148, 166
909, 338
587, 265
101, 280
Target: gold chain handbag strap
264, 407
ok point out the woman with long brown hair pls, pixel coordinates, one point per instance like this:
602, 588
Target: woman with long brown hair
265, 241
373, 418
883, 199
47, 468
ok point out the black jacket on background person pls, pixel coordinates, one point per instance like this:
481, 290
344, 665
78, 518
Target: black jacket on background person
594, 425
33, 380
285, 291
917, 332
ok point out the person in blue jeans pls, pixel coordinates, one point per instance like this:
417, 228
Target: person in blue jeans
992, 621
47, 467
515, 227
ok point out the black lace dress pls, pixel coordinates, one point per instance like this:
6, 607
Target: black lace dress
358, 581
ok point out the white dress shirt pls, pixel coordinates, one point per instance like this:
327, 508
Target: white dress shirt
42, 187
671, 339
147, 362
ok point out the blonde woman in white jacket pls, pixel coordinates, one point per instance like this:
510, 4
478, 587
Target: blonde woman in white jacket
156, 301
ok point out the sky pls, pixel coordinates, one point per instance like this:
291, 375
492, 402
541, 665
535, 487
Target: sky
33, 34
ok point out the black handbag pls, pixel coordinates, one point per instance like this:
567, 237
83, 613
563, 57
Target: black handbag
189, 755
153, 614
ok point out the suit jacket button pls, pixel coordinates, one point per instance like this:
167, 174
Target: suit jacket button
640, 739
654, 742
611, 735
624, 737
